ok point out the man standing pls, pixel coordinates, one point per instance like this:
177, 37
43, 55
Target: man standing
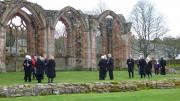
142, 66
110, 66
163, 64
130, 63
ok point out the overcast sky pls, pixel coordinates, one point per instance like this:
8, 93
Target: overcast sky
169, 9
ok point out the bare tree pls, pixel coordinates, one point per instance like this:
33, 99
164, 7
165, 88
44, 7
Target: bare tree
147, 25
60, 36
97, 11
102, 7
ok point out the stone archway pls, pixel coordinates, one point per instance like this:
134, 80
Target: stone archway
111, 28
34, 21
75, 24
82, 28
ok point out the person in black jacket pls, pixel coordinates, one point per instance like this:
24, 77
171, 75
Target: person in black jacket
149, 67
27, 68
142, 66
163, 64
130, 63
102, 67
110, 66
51, 73
40, 66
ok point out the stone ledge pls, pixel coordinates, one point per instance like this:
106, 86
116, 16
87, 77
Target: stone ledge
97, 87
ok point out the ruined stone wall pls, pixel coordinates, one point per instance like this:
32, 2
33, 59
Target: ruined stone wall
81, 27
73, 88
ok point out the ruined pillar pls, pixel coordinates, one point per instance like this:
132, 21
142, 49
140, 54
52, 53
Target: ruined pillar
92, 43
42, 46
2, 49
50, 41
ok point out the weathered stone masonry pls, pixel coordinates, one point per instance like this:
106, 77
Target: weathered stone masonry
81, 28
73, 88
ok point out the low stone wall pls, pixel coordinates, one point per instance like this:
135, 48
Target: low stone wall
170, 70
98, 87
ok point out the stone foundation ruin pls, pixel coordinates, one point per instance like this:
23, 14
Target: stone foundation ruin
74, 88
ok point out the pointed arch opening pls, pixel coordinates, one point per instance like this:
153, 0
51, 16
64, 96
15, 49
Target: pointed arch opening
111, 29
22, 35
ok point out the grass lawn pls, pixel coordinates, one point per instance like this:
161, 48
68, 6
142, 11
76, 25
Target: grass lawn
11, 78
144, 95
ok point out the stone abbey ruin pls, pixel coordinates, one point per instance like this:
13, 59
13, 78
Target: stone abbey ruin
88, 36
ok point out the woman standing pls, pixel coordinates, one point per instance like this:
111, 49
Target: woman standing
51, 73
156, 67
40, 65
149, 67
27, 68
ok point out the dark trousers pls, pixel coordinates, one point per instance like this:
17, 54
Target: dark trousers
50, 80
33, 73
163, 72
111, 76
27, 76
143, 75
102, 74
156, 71
149, 74
131, 74
39, 77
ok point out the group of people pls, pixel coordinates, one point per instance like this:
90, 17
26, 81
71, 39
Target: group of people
106, 64
37, 66
145, 66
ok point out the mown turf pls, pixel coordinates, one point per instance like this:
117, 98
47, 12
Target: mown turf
145, 95
11, 78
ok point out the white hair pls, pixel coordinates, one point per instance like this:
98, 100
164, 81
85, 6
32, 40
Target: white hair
28, 57
147, 59
102, 57
130, 56
109, 55
141, 56
105, 57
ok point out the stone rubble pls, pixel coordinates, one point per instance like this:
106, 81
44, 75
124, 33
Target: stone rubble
97, 87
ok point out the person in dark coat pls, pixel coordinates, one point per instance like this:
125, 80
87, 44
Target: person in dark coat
149, 67
40, 65
130, 63
163, 64
102, 67
110, 66
50, 71
27, 68
45, 62
156, 67
142, 66
33, 67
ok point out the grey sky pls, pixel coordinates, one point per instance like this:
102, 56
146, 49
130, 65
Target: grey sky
167, 8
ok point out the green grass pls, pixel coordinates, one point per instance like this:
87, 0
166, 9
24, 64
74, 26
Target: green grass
144, 95
11, 78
